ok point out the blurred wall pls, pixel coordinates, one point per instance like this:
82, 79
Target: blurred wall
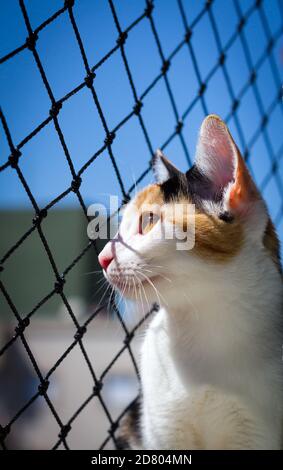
28, 275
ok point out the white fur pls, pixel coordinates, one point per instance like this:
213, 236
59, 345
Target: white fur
222, 343
162, 168
211, 361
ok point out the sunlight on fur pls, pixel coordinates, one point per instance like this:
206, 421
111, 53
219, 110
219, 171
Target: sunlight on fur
211, 360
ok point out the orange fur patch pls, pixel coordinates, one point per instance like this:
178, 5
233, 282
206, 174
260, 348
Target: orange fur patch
150, 195
214, 239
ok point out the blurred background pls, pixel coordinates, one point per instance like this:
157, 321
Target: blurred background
181, 60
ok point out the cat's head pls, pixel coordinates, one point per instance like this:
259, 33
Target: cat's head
160, 245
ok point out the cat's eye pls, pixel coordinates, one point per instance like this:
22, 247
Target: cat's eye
147, 222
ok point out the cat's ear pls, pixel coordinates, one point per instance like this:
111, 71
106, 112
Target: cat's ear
163, 169
219, 160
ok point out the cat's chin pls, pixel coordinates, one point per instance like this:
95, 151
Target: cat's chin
133, 290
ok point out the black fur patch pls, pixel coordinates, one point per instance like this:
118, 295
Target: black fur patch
129, 430
174, 188
193, 185
226, 217
201, 187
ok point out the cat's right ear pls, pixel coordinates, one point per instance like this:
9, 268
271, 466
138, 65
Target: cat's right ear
219, 160
163, 169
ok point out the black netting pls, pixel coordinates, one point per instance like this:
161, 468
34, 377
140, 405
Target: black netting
240, 35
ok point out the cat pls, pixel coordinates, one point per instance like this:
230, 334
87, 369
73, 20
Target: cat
211, 359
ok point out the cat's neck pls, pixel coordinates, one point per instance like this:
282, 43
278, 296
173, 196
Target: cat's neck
225, 313
218, 338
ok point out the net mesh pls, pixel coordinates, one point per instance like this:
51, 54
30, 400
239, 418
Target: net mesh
221, 66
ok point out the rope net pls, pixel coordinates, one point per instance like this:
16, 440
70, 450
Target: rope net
13, 161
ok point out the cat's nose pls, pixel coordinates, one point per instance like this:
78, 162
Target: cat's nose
104, 260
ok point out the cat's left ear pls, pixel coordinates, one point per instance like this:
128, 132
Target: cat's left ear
219, 159
163, 169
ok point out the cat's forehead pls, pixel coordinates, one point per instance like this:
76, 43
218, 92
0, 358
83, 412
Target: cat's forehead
158, 194
154, 197
150, 195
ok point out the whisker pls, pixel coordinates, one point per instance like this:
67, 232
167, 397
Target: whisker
142, 286
135, 289
140, 294
101, 287
159, 274
156, 291
99, 271
108, 287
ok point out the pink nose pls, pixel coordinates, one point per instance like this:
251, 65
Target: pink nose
104, 260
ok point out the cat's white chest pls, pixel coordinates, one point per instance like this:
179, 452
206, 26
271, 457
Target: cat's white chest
158, 370
165, 397
187, 405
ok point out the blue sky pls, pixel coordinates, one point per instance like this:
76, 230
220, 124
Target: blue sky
25, 102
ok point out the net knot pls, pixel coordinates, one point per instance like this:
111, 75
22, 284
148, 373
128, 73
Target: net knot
235, 104
222, 58
155, 307
270, 45
43, 387
252, 77
202, 89
208, 4
97, 388
69, 3
246, 154
241, 24
65, 431
14, 157
89, 79
39, 216
23, 323
179, 127
54, 111
4, 431
149, 8
188, 35
126, 199
76, 183
59, 285
128, 338
80, 332
165, 66
122, 38
109, 138
113, 428
31, 41
264, 120
1, 268
137, 108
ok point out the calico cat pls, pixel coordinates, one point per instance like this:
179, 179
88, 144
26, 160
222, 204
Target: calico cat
211, 360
